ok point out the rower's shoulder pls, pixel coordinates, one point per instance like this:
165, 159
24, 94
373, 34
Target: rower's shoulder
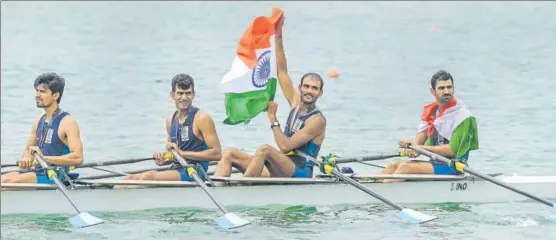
203, 116
69, 124
69, 119
169, 120
35, 124
319, 118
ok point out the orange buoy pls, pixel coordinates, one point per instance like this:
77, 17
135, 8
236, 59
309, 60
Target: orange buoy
333, 73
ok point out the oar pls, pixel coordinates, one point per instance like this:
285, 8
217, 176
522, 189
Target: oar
96, 164
114, 162
406, 214
382, 156
118, 174
229, 220
110, 171
463, 168
83, 219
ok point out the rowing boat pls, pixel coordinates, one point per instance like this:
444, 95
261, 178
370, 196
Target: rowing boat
101, 196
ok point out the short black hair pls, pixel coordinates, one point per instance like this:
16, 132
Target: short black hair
441, 75
313, 75
53, 81
183, 81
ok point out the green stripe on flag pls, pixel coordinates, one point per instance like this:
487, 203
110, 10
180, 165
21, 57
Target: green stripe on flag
242, 107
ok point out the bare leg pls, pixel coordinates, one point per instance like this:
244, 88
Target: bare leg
412, 168
392, 167
15, 177
5, 177
278, 164
130, 177
168, 175
232, 157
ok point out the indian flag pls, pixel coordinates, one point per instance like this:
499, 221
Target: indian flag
459, 126
251, 82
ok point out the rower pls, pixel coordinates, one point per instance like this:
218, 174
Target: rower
447, 128
304, 130
189, 131
55, 136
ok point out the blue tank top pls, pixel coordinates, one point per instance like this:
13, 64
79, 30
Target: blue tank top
294, 124
185, 138
48, 140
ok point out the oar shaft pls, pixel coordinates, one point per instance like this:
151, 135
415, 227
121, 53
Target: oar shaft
483, 176
199, 181
364, 189
57, 182
353, 182
110, 171
9, 165
499, 183
115, 162
86, 165
366, 158
128, 172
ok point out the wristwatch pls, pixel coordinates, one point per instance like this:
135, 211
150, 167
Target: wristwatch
274, 124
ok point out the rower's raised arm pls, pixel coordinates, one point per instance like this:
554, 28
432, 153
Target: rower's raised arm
281, 66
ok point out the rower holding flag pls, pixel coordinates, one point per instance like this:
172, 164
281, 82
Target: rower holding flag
304, 129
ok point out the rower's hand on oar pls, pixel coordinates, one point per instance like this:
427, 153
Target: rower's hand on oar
160, 158
26, 163
172, 146
405, 142
33, 150
29, 160
406, 151
410, 153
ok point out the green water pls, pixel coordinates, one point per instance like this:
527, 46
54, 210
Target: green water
118, 59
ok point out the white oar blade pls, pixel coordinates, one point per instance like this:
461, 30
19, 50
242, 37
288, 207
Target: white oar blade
412, 216
230, 220
84, 220
554, 208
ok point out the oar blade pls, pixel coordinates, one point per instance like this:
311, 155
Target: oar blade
230, 220
412, 216
554, 208
84, 219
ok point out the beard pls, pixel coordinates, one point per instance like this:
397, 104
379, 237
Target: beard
445, 99
314, 99
42, 105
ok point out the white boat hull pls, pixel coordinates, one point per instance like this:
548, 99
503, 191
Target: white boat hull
421, 192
